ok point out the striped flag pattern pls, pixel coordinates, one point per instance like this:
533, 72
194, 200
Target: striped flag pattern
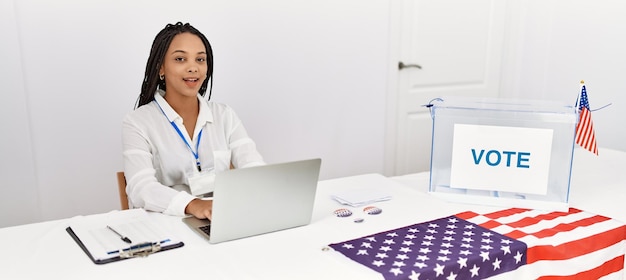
562, 245
556, 245
585, 134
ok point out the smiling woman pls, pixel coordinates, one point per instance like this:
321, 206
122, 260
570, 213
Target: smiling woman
184, 69
167, 46
288, 68
168, 168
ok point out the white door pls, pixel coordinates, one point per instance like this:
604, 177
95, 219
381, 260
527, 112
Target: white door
452, 48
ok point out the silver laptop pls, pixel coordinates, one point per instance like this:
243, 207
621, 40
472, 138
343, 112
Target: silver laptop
257, 200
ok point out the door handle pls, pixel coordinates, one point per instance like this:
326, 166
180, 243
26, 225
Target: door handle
401, 65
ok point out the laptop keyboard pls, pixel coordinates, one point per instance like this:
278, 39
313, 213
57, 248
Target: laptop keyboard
206, 229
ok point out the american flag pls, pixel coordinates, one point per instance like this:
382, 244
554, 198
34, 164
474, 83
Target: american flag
585, 135
518, 243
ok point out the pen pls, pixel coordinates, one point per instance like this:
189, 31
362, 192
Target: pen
124, 238
137, 246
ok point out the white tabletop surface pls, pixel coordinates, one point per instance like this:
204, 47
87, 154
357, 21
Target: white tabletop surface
44, 250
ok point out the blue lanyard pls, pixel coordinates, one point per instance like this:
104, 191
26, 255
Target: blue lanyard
195, 154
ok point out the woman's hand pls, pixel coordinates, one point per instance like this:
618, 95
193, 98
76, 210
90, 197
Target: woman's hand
201, 209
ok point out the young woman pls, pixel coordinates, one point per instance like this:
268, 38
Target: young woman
176, 140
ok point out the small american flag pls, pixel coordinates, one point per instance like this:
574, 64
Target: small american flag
531, 244
585, 135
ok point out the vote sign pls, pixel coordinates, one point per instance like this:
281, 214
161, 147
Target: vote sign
501, 158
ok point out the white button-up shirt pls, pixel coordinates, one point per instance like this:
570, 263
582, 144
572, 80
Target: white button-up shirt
157, 161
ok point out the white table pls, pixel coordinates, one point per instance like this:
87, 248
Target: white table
44, 250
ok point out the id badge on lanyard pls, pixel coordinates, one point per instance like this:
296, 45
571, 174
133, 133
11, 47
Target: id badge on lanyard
201, 182
180, 133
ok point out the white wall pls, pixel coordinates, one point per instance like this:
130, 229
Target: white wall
556, 44
306, 77
20, 193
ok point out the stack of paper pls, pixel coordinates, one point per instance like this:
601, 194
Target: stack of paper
106, 238
360, 197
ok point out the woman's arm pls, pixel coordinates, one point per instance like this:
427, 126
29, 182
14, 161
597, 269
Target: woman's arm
143, 188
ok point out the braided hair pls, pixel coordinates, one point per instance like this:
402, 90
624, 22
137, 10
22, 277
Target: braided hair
151, 80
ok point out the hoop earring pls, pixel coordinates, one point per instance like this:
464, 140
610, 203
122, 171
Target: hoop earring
161, 76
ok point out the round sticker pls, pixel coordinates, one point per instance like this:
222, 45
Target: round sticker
342, 212
372, 210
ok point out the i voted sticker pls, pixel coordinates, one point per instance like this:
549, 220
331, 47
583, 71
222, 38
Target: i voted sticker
342, 212
372, 210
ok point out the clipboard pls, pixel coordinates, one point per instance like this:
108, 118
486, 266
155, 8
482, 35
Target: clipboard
102, 244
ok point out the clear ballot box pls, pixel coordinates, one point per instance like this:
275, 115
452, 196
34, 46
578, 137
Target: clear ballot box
512, 153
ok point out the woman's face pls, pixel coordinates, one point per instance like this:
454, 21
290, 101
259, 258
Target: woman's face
184, 65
